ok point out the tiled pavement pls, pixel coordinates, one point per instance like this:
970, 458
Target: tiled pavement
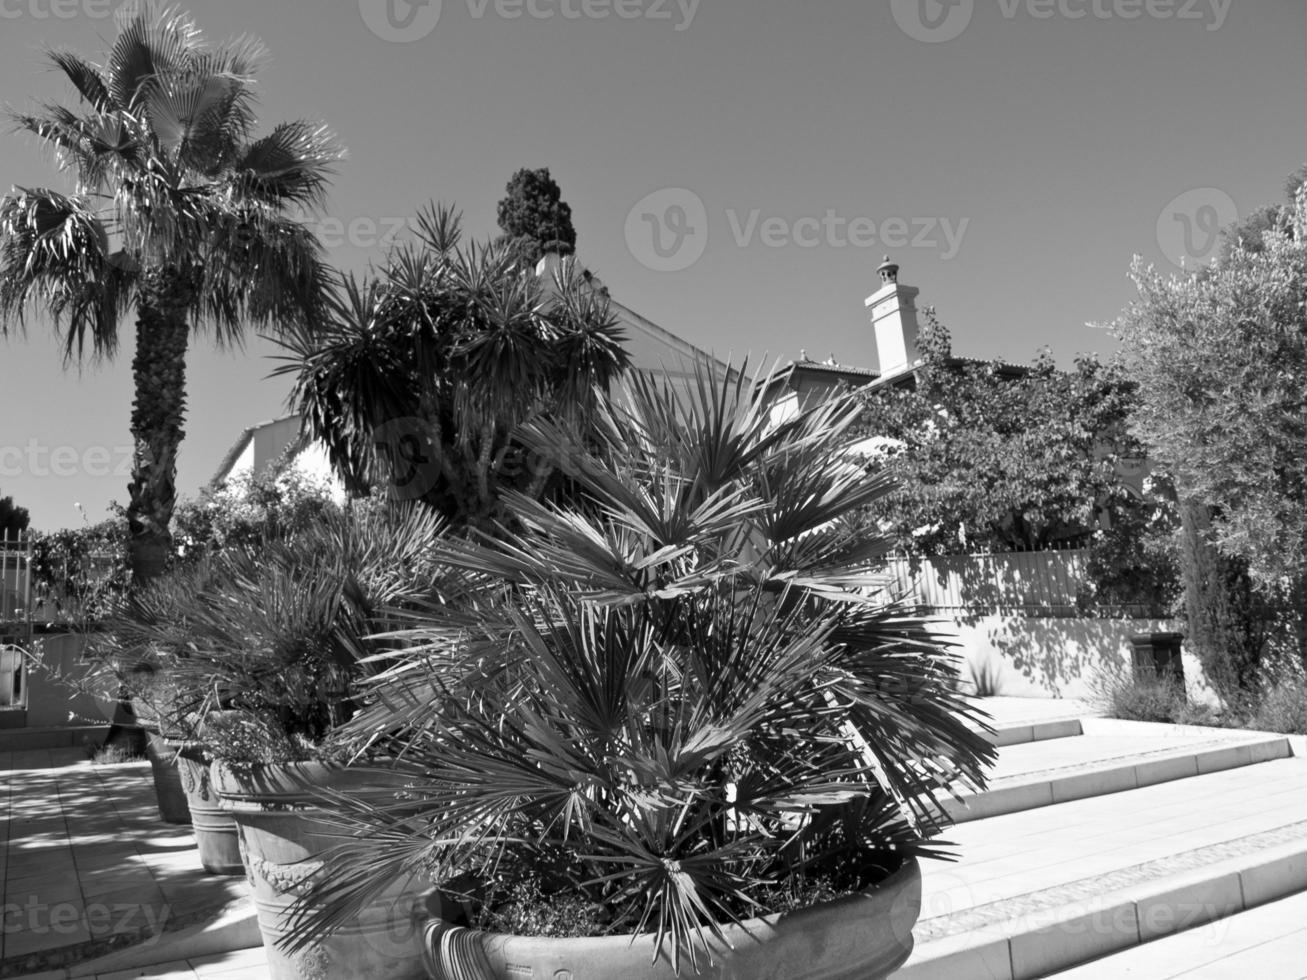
89, 867
245, 964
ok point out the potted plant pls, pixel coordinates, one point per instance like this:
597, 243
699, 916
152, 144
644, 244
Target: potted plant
260, 646
687, 731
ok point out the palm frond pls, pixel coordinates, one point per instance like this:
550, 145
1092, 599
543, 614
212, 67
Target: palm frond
85, 77
292, 165
55, 253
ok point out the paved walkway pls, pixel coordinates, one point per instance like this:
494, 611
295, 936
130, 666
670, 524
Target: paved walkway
89, 867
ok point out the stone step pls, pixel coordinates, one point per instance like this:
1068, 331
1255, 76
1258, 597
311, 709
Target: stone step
1041, 890
1268, 942
1108, 756
1022, 733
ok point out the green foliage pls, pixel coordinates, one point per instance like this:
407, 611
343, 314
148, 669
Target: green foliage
524, 910
81, 575
1251, 232
420, 377
246, 512
991, 458
115, 755
1153, 699
1220, 357
668, 700
534, 218
1283, 708
13, 519
1221, 364
1230, 622
1134, 563
251, 652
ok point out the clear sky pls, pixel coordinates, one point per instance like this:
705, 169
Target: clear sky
1012, 155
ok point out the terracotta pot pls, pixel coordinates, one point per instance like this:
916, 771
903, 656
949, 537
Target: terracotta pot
215, 830
162, 753
283, 831
860, 937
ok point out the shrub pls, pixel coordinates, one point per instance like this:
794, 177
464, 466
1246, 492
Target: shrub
115, 754
248, 511
80, 575
1148, 700
251, 652
1283, 708
1121, 694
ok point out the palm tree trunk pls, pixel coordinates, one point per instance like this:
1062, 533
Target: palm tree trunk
159, 375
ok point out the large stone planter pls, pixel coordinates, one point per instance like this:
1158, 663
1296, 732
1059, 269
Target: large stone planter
215, 830
162, 753
283, 831
861, 937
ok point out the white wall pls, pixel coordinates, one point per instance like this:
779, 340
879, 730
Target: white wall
1019, 656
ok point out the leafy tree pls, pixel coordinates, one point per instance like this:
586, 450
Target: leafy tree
1221, 364
991, 458
178, 214
1250, 232
248, 512
13, 519
420, 376
534, 218
1220, 358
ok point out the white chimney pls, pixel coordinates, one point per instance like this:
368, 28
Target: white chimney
894, 317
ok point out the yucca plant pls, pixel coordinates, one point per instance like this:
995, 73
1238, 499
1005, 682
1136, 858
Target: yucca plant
251, 652
416, 378
689, 699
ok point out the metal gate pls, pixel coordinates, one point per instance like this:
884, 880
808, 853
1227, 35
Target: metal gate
15, 616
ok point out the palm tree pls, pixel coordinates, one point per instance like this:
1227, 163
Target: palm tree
420, 376
179, 214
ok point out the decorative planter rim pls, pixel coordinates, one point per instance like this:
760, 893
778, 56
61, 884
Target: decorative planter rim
621, 952
290, 784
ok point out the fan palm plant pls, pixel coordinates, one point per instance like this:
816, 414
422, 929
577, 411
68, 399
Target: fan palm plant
179, 214
420, 375
691, 697
252, 652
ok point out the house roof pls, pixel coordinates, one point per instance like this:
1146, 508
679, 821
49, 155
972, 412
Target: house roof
243, 441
